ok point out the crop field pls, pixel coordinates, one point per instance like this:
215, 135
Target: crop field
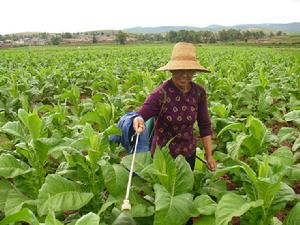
59, 105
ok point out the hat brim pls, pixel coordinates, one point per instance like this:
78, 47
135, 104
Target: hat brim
183, 65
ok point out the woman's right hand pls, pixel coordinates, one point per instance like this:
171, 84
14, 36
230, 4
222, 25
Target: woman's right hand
138, 124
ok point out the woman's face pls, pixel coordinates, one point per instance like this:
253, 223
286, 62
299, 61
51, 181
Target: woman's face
182, 78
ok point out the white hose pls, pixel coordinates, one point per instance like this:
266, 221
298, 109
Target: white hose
126, 203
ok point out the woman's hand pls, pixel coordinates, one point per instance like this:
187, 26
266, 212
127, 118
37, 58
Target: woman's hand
211, 163
138, 124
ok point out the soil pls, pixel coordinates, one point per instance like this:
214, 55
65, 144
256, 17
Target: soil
281, 215
275, 129
278, 125
71, 212
296, 187
235, 220
83, 96
229, 183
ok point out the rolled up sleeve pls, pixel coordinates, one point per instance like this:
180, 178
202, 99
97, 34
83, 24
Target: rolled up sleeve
203, 118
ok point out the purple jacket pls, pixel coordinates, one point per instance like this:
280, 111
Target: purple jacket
177, 116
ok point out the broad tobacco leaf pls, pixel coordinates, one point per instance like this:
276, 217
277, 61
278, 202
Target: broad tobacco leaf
176, 176
11, 167
58, 194
14, 128
204, 205
90, 219
171, 209
231, 205
115, 179
293, 116
171, 195
15, 201
293, 217
24, 215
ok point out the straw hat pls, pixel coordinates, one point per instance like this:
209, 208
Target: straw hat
183, 58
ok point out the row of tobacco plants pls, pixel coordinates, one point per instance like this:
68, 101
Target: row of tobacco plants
59, 105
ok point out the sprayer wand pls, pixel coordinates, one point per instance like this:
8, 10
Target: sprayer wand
126, 203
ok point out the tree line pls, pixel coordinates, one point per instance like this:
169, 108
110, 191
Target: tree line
230, 35
209, 36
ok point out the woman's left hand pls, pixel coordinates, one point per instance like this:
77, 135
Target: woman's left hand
211, 163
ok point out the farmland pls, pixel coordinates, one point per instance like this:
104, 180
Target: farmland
59, 105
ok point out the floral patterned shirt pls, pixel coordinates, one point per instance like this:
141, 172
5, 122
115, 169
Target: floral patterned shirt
177, 112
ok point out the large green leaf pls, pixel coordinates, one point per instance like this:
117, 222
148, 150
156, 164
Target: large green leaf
51, 220
257, 128
276, 221
234, 147
171, 209
293, 217
58, 193
294, 173
287, 133
250, 173
140, 206
296, 144
90, 219
23, 116
41, 150
11, 167
105, 111
34, 125
184, 181
233, 126
166, 169
222, 171
15, 129
175, 175
232, 205
251, 146
124, 218
15, 201
220, 110
149, 174
109, 202
285, 155
284, 195
5, 187
204, 205
115, 178
293, 116
91, 117
142, 160
267, 188
24, 215
216, 188
142, 210
113, 129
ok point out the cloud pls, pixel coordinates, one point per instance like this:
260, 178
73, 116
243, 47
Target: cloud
79, 15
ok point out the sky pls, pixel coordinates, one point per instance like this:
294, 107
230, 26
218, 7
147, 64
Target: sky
86, 15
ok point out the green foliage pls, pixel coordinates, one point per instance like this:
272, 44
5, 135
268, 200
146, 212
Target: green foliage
58, 193
232, 205
55, 40
121, 37
59, 106
293, 217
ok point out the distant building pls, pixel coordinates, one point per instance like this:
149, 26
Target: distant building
80, 40
30, 42
106, 38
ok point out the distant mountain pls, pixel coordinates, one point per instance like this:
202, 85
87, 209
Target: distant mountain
159, 29
287, 27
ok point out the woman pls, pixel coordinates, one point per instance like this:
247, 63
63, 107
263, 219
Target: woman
177, 104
